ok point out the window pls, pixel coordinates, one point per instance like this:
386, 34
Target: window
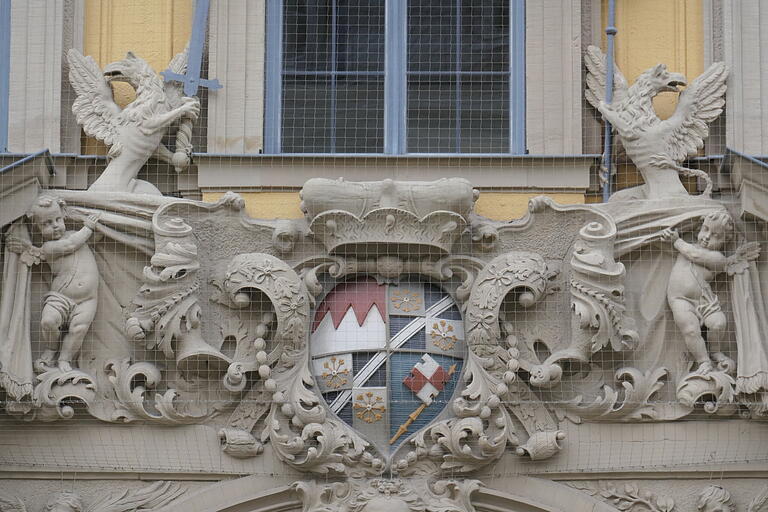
5, 65
395, 76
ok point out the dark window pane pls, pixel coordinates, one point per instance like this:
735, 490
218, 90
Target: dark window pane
432, 35
360, 35
359, 114
431, 114
306, 114
307, 35
485, 35
485, 114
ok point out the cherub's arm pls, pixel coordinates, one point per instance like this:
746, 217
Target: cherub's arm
71, 243
66, 245
712, 260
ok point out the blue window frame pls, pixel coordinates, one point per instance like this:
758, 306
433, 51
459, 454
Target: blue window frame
395, 76
5, 69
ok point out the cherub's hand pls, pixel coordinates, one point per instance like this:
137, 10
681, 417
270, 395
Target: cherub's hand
670, 235
16, 245
92, 220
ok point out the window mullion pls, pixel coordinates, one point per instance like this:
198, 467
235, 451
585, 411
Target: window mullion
274, 82
332, 84
395, 81
457, 105
517, 77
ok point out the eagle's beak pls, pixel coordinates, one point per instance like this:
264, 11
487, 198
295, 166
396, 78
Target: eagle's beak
113, 73
676, 80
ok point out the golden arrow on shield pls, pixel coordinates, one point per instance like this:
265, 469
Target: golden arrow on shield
415, 414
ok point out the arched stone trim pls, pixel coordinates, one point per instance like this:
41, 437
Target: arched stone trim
522, 494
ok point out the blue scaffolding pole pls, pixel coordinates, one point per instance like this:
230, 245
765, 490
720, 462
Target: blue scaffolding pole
607, 164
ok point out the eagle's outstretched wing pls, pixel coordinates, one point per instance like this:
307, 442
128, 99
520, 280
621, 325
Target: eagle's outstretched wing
699, 104
174, 90
149, 498
596, 73
94, 107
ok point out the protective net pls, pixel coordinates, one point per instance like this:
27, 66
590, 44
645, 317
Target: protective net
419, 317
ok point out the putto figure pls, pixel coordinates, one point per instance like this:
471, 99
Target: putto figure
690, 296
135, 133
658, 147
71, 304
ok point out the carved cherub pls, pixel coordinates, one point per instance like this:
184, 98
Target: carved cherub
71, 304
689, 294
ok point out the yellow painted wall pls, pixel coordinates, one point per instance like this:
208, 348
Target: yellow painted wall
266, 205
494, 205
652, 32
513, 205
659, 31
154, 30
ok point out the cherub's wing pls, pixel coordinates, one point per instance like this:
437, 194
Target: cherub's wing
11, 504
174, 90
699, 104
146, 499
738, 262
596, 73
94, 108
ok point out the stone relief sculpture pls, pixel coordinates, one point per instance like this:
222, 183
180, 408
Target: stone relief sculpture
185, 313
631, 498
379, 495
691, 299
658, 147
70, 306
135, 133
152, 497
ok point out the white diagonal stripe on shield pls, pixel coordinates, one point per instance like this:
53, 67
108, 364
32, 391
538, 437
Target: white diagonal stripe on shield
398, 340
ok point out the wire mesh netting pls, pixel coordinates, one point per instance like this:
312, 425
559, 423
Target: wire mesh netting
137, 350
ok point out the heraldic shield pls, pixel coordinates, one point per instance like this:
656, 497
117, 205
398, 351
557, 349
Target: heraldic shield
387, 357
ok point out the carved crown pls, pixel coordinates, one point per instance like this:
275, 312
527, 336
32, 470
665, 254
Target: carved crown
392, 216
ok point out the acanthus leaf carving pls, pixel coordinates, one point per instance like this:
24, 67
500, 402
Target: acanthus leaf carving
134, 385
55, 394
597, 293
168, 316
631, 402
378, 495
297, 426
627, 497
151, 497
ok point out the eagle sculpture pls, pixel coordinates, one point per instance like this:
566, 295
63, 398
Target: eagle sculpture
658, 147
134, 133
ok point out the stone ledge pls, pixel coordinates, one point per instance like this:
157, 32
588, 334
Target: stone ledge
561, 173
